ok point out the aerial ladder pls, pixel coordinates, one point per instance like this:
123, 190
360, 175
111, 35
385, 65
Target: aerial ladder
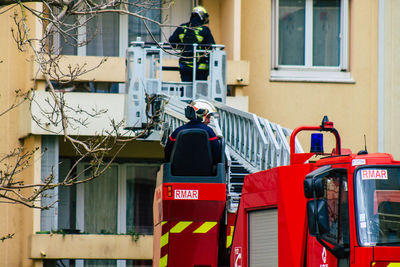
251, 144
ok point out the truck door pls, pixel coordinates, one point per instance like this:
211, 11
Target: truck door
336, 234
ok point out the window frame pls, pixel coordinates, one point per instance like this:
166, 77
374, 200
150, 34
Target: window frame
122, 169
309, 73
342, 217
121, 194
337, 238
81, 35
180, 7
359, 197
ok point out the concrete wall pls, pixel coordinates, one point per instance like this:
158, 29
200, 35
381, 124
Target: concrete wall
14, 75
391, 78
353, 107
57, 246
225, 24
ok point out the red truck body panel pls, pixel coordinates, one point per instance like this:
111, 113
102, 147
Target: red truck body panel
282, 188
271, 189
187, 221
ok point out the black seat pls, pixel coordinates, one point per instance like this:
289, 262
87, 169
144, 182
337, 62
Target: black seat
191, 154
388, 216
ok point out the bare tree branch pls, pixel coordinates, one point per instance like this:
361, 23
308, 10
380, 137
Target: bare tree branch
62, 19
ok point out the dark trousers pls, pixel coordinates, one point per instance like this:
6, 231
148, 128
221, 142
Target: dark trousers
187, 73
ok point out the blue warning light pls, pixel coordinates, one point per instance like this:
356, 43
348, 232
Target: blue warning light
317, 143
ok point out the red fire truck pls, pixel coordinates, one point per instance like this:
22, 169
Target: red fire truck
340, 210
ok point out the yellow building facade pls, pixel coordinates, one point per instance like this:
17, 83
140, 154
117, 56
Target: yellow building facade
294, 96
351, 102
357, 90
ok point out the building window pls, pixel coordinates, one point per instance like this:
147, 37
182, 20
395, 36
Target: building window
137, 27
117, 202
109, 34
102, 34
66, 44
310, 40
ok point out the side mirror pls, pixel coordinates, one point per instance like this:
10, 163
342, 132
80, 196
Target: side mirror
311, 184
314, 182
317, 215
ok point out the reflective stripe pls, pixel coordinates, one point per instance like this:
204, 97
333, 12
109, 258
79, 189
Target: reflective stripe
198, 36
164, 261
385, 264
196, 33
163, 258
179, 227
203, 66
230, 237
228, 241
205, 227
211, 139
164, 240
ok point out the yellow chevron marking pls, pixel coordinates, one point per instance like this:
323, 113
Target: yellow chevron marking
228, 241
164, 261
164, 222
164, 240
230, 237
204, 228
394, 264
179, 227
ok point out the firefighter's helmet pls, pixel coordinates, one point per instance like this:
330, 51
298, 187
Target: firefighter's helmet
203, 109
202, 13
200, 110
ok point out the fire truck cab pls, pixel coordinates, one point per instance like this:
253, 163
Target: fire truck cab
341, 210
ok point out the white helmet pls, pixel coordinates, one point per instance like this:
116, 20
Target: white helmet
204, 109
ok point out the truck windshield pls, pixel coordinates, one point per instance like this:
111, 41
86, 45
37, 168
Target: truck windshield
378, 205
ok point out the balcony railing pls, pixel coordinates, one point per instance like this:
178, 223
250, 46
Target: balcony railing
113, 70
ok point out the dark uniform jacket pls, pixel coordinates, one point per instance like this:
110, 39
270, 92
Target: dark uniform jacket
215, 144
188, 34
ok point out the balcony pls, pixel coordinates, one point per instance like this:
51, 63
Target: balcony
113, 104
42, 105
83, 246
113, 70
